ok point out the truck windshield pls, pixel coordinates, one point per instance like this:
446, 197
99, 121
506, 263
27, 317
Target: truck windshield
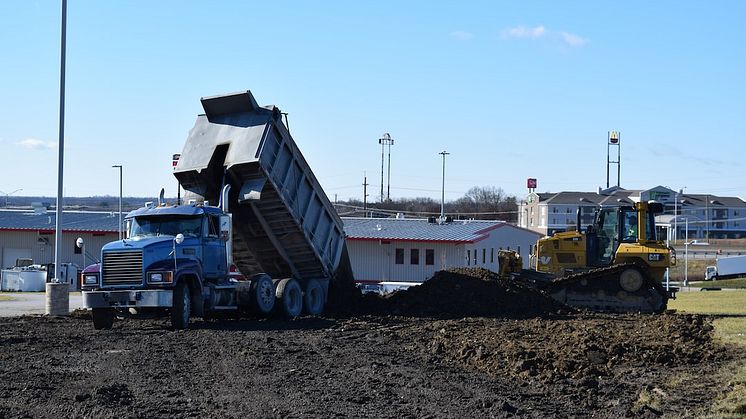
166, 226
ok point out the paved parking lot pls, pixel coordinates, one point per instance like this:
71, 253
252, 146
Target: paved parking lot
23, 303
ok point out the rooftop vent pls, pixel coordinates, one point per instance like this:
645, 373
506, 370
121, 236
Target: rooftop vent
39, 208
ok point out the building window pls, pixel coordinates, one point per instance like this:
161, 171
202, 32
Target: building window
429, 256
492, 255
414, 256
475, 257
468, 259
400, 256
484, 256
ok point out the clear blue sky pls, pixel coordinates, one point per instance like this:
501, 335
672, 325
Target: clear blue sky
511, 89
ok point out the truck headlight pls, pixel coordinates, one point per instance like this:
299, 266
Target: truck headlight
655, 257
164, 277
90, 279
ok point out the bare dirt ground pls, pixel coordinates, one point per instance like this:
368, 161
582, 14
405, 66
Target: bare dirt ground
458, 346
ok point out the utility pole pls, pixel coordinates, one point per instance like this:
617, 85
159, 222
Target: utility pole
443, 188
365, 194
120, 199
707, 217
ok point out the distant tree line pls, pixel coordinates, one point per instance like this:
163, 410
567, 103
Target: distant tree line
479, 202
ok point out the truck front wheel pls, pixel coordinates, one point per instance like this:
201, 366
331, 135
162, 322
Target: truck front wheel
103, 318
181, 307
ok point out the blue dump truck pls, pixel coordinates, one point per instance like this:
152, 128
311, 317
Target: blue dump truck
270, 243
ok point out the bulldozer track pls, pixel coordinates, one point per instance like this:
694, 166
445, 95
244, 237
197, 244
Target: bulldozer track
599, 289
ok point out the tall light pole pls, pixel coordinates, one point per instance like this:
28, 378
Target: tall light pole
9, 194
120, 198
57, 292
443, 188
384, 141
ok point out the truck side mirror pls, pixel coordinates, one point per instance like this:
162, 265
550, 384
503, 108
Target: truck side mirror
225, 227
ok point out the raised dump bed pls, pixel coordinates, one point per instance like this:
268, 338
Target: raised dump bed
283, 223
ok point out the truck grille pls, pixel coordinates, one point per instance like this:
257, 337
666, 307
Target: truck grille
122, 268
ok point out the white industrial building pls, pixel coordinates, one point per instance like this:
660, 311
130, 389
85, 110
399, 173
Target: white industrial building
28, 234
412, 250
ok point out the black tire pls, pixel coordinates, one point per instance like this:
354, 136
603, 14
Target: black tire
262, 294
313, 298
289, 297
181, 308
103, 318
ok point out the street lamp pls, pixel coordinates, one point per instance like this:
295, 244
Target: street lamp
443, 188
120, 198
9, 194
383, 141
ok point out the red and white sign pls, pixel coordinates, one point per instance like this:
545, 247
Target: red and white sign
176, 159
531, 183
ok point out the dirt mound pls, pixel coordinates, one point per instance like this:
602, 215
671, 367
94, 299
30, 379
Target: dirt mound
577, 365
472, 292
456, 292
575, 347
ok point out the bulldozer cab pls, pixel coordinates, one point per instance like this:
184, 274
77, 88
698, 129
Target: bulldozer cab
615, 226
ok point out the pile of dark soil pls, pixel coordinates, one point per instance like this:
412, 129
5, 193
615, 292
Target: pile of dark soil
601, 344
577, 365
451, 293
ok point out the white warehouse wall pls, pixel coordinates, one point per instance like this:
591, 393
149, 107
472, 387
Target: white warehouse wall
374, 260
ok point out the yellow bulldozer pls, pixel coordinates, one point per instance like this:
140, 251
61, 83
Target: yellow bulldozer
616, 264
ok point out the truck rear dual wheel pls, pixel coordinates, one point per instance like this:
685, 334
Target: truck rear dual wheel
181, 307
262, 293
290, 297
103, 318
313, 298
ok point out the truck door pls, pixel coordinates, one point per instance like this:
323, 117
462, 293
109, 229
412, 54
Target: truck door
214, 263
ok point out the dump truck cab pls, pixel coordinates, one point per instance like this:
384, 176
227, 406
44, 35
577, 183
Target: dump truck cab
167, 250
